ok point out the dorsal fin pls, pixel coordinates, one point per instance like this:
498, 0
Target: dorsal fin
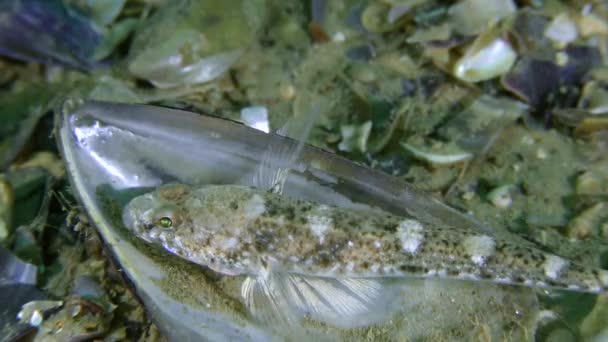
278, 160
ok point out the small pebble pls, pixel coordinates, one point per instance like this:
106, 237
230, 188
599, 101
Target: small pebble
588, 183
527, 140
500, 197
467, 196
287, 92
36, 318
541, 153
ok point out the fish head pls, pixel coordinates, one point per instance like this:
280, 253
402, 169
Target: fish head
156, 216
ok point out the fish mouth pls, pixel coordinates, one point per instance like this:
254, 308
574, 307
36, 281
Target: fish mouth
149, 233
136, 215
135, 225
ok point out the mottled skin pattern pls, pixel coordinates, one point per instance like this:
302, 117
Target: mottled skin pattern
241, 230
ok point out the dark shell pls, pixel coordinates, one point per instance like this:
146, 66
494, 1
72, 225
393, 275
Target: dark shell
46, 31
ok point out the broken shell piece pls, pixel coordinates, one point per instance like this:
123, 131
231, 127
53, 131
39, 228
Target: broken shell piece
256, 117
399, 8
377, 18
78, 320
593, 327
14, 270
591, 124
287, 92
35, 319
46, 160
599, 73
439, 154
32, 313
562, 29
587, 222
476, 127
435, 33
400, 63
541, 153
604, 230
471, 17
591, 24
594, 98
354, 137
363, 73
49, 32
532, 80
89, 289
7, 200
588, 183
468, 195
501, 197
396, 12
485, 59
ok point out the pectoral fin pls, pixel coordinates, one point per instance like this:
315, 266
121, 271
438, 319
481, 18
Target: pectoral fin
286, 297
265, 302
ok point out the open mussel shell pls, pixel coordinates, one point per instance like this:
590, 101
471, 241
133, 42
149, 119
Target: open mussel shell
17, 287
116, 151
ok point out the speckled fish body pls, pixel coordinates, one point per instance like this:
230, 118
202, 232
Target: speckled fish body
240, 230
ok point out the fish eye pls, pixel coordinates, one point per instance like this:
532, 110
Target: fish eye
167, 217
165, 222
